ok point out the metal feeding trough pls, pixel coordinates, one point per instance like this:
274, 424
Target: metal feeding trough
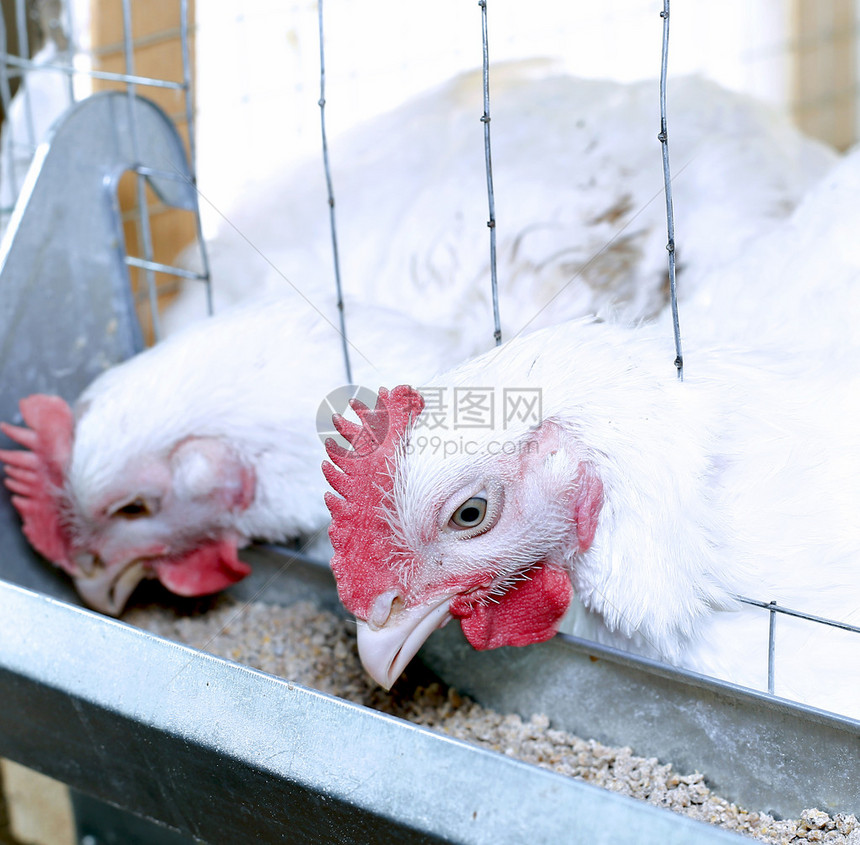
216, 751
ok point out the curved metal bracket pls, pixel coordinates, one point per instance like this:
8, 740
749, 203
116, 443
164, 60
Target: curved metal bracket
66, 307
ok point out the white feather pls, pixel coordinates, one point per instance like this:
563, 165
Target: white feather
254, 378
744, 479
578, 183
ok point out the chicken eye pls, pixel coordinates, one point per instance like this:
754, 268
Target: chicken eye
135, 509
470, 514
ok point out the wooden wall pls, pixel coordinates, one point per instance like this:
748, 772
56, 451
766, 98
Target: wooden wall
824, 69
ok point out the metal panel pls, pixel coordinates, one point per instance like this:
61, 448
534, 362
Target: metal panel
757, 750
229, 754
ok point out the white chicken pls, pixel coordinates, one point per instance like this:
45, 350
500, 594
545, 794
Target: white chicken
182, 454
656, 501
578, 185
653, 502
796, 286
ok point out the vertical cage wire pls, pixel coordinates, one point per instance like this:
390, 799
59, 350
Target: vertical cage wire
187, 78
488, 163
142, 222
670, 213
771, 647
331, 204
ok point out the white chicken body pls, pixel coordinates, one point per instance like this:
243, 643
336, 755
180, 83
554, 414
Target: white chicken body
660, 500
580, 219
797, 286
254, 377
740, 481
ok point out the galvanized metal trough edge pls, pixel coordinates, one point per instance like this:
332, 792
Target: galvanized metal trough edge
763, 752
227, 753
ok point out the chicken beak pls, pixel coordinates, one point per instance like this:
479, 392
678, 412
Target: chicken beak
385, 650
107, 590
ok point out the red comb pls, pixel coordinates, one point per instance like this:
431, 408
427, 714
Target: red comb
363, 476
36, 474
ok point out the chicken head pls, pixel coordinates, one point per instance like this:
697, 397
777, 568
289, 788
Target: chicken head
487, 541
164, 516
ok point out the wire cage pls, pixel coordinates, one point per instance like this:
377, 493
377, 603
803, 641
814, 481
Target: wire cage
58, 54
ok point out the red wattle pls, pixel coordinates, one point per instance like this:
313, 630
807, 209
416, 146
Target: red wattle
526, 614
205, 570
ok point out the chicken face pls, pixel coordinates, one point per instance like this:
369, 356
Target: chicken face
487, 538
158, 516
